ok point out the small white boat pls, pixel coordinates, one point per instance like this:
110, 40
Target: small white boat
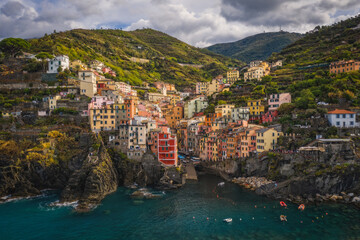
221, 184
228, 220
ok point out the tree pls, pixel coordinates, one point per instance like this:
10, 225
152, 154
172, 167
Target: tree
13, 47
307, 99
44, 55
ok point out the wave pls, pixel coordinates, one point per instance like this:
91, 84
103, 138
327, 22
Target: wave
57, 203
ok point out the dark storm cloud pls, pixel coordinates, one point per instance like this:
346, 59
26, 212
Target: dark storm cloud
283, 12
12, 9
198, 22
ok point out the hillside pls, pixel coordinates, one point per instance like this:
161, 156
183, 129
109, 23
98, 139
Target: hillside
257, 47
305, 72
116, 47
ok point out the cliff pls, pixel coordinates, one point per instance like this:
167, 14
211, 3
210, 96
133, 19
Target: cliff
78, 164
333, 174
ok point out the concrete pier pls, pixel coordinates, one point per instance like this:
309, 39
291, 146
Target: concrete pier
190, 172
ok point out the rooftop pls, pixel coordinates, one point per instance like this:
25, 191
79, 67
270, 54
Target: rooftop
341, 111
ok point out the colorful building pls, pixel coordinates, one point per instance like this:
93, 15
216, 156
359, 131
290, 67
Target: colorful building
232, 76
224, 109
266, 139
195, 105
202, 88
276, 100
175, 114
344, 66
240, 113
167, 149
255, 107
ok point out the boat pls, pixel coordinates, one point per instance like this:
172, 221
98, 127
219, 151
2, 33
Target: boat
221, 184
228, 220
283, 218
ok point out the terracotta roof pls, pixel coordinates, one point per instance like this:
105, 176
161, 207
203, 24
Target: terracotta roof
341, 111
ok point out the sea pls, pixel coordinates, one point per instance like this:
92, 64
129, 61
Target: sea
195, 211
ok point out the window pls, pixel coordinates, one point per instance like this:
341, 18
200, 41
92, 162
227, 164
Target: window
344, 115
352, 123
337, 115
337, 123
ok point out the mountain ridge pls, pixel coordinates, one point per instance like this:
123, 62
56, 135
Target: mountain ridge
256, 47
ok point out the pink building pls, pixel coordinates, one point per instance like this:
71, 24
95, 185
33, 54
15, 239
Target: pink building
275, 100
123, 87
99, 102
108, 71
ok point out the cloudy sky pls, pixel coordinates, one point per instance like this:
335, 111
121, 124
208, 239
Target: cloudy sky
197, 22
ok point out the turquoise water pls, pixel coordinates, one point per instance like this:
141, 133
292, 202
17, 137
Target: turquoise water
193, 212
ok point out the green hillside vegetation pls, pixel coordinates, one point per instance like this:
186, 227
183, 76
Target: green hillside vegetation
303, 78
115, 47
257, 47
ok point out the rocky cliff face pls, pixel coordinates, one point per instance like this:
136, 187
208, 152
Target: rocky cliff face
298, 177
83, 169
95, 179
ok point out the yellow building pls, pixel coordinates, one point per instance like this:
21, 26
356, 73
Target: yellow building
232, 76
173, 115
257, 72
53, 101
102, 119
224, 109
256, 109
174, 98
266, 139
213, 87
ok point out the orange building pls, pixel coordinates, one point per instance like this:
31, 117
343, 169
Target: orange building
211, 118
174, 115
130, 107
344, 66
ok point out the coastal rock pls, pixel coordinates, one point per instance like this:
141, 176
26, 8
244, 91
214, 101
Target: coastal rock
90, 184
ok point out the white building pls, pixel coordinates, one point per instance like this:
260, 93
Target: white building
342, 118
59, 61
240, 113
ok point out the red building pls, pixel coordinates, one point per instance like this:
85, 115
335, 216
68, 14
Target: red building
269, 116
167, 149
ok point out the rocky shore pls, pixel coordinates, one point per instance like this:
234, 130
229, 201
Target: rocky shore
261, 185
252, 183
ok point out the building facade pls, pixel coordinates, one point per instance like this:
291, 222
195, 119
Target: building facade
344, 66
88, 85
167, 149
276, 100
59, 61
342, 118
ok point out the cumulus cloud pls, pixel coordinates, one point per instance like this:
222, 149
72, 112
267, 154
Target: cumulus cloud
200, 22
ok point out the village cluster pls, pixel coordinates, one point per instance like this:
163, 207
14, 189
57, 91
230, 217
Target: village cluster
167, 122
